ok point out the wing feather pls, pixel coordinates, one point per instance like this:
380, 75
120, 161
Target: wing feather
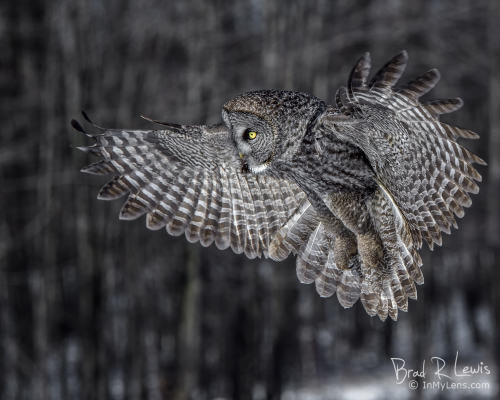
398, 133
207, 229
198, 189
198, 213
223, 235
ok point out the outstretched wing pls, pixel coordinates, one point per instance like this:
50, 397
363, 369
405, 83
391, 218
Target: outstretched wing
189, 180
417, 160
424, 175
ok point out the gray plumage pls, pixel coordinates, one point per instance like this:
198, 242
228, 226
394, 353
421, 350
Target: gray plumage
353, 189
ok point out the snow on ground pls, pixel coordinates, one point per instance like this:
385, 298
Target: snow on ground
384, 387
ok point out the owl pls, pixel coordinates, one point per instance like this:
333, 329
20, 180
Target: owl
352, 188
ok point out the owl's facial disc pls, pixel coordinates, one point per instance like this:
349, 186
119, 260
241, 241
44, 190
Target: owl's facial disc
247, 144
253, 140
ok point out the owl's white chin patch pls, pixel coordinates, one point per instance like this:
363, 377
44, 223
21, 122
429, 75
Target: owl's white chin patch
257, 169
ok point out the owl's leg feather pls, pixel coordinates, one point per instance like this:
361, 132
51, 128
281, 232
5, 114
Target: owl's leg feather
344, 241
344, 248
352, 210
370, 248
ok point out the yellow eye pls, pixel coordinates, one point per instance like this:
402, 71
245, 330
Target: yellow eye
252, 135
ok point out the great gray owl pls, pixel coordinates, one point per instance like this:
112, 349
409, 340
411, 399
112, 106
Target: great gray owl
351, 188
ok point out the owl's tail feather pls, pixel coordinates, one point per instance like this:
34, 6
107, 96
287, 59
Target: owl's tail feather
310, 240
383, 290
388, 287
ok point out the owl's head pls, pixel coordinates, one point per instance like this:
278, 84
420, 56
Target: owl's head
268, 126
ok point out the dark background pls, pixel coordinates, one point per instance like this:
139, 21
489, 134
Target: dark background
95, 308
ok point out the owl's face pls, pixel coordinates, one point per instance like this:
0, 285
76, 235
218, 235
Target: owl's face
268, 126
253, 138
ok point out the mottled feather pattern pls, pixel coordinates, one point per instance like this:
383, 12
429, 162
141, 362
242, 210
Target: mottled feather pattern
379, 149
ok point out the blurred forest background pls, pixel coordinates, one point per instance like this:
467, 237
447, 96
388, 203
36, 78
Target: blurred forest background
95, 308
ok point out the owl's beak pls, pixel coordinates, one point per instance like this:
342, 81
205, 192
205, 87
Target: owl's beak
244, 165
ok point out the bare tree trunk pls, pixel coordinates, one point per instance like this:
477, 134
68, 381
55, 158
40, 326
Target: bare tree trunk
189, 339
